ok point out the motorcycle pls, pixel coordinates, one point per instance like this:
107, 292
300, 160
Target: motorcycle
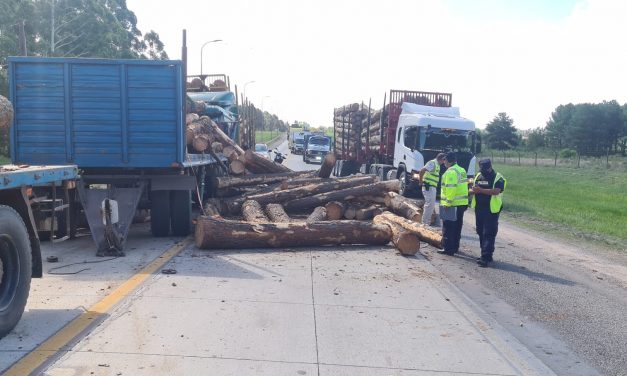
278, 157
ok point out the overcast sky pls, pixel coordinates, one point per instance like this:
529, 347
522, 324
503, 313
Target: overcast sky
522, 57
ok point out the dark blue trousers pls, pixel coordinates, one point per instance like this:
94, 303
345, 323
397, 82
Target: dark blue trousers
487, 227
452, 231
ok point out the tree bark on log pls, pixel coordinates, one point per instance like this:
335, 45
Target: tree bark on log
219, 204
403, 206
406, 242
217, 147
201, 143
335, 210
277, 214
212, 233
256, 179
327, 166
307, 190
300, 181
319, 214
224, 139
375, 189
237, 167
252, 212
192, 130
364, 214
350, 212
190, 118
424, 234
211, 210
260, 165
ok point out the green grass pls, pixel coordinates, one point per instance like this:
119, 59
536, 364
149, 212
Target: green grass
587, 203
4, 160
261, 137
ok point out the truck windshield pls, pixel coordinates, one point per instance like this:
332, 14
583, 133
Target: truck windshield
444, 139
299, 141
319, 141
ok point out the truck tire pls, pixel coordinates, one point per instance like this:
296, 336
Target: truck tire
404, 191
373, 170
391, 175
181, 212
15, 268
160, 213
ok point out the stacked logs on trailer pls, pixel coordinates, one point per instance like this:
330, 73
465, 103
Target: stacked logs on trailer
371, 129
348, 122
311, 209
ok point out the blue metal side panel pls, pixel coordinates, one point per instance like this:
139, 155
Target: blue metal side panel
97, 113
15, 177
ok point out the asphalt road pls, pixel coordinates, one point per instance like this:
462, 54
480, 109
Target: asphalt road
565, 302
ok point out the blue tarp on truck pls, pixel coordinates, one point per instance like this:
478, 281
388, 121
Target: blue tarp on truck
98, 113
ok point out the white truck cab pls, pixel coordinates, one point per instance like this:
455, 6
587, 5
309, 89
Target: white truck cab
425, 131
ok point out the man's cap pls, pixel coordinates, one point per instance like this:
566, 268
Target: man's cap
440, 156
486, 163
451, 157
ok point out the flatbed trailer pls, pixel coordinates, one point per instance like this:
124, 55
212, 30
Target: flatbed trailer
20, 251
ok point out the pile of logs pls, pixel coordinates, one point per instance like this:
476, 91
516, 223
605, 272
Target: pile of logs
348, 122
289, 209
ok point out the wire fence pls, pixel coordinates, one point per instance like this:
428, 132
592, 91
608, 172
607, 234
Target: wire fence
554, 159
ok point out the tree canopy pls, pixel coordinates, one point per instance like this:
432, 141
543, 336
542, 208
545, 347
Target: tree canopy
500, 133
74, 28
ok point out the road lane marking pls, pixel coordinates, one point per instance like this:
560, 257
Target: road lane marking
70, 332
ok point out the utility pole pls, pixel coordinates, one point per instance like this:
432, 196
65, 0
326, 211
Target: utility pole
22, 37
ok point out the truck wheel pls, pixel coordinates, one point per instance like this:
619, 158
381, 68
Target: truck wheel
15, 268
391, 175
373, 170
181, 212
404, 184
160, 213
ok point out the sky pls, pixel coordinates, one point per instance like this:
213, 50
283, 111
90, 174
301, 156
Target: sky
522, 57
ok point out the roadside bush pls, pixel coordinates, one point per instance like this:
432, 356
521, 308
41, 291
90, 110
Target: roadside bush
568, 153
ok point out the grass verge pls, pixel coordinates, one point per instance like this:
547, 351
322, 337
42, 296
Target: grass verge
262, 137
587, 203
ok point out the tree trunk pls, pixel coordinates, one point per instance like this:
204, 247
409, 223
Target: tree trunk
375, 189
221, 234
327, 166
256, 179
224, 139
237, 167
319, 214
276, 213
217, 147
335, 210
252, 212
370, 199
406, 242
424, 234
350, 212
260, 165
300, 181
298, 192
403, 206
365, 214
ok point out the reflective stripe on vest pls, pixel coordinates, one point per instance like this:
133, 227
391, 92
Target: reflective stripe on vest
454, 187
432, 177
496, 201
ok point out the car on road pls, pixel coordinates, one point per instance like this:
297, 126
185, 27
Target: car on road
316, 148
262, 149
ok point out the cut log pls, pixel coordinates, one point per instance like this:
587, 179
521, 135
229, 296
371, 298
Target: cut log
319, 214
190, 118
211, 210
307, 190
423, 232
335, 210
218, 204
252, 212
403, 206
260, 165
364, 214
276, 213
255, 179
192, 130
201, 143
327, 166
370, 199
350, 212
237, 167
217, 147
214, 233
310, 202
300, 181
406, 242
229, 152
224, 139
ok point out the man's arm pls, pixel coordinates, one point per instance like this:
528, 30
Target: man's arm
498, 188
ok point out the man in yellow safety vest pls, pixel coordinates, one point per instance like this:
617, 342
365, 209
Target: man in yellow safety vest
453, 204
429, 180
487, 202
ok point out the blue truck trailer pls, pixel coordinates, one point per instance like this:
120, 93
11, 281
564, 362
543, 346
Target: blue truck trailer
20, 209
122, 122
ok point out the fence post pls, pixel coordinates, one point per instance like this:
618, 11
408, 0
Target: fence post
492, 156
504, 162
578, 160
535, 161
555, 159
519, 159
607, 159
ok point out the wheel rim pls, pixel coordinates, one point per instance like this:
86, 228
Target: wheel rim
10, 271
403, 182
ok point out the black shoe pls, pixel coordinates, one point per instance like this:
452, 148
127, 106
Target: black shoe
444, 252
483, 263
